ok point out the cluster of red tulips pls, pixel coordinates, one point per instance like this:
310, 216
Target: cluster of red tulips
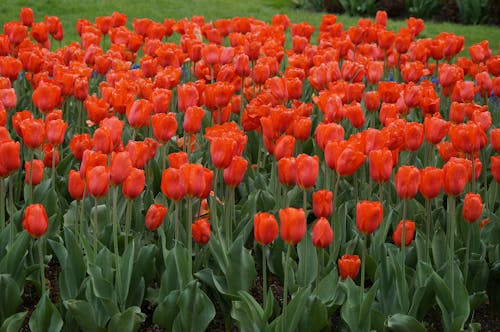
229, 128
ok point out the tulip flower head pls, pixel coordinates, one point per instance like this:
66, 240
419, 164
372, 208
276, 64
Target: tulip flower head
349, 266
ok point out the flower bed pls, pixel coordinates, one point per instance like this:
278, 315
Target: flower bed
357, 175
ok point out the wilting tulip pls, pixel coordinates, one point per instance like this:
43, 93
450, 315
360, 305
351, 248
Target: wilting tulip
234, 173
293, 225
265, 228
76, 185
322, 202
409, 232
349, 266
380, 165
201, 231
473, 207
407, 181
431, 182
155, 215
368, 216
322, 233
35, 220
36, 174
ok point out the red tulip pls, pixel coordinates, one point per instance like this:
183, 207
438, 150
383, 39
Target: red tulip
138, 113
37, 172
285, 146
55, 131
35, 220
201, 231
33, 133
322, 233
134, 183
414, 135
495, 139
192, 119
307, 170
10, 161
103, 141
322, 202
265, 228
97, 109
454, 177
139, 153
473, 207
155, 215
349, 266
234, 173
431, 182
177, 159
287, 171
187, 96
381, 165
407, 181
293, 225
222, 151
76, 185
164, 126
349, 161
27, 16
495, 167
46, 97
371, 99
79, 143
435, 129
409, 232
368, 216
97, 181
194, 180
172, 184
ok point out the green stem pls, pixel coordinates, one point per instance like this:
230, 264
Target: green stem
467, 253
427, 228
451, 207
82, 210
189, 236
115, 238
54, 167
403, 251
95, 227
42, 265
307, 244
473, 180
163, 156
2, 204
264, 275
320, 264
177, 207
285, 287
363, 261
228, 206
128, 217
32, 156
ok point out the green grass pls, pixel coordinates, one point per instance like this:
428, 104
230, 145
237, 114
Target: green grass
70, 10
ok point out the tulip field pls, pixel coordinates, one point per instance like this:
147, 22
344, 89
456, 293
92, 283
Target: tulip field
237, 174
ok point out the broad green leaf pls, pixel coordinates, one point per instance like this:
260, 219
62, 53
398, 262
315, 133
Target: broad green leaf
308, 261
404, 323
10, 296
439, 249
167, 310
241, 272
196, 309
248, 314
13, 323
13, 261
329, 291
127, 265
129, 320
314, 315
45, 317
84, 315
290, 320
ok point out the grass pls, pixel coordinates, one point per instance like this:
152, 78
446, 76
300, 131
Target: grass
70, 10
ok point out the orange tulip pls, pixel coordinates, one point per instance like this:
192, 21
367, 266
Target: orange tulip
164, 126
368, 216
307, 170
454, 177
409, 233
473, 207
431, 182
155, 215
33, 133
234, 173
27, 16
97, 181
407, 181
10, 161
287, 171
192, 119
265, 228
76, 185
349, 161
322, 202
187, 96
322, 233
349, 266
495, 167
37, 172
120, 167
55, 131
222, 151
293, 225
46, 97
35, 220
79, 143
381, 165
103, 141
414, 135
138, 113
172, 184
435, 129
201, 231
134, 183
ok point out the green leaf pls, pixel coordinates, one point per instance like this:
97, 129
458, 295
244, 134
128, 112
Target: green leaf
308, 261
241, 272
196, 309
404, 323
45, 317
356, 311
439, 249
13, 323
129, 320
293, 313
13, 261
84, 315
248, 314
10, 296
127, 265
167, 310
314, 315
329, 292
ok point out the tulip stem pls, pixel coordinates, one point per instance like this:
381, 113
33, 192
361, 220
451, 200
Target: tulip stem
320, 264
228, 209
304, 205
32, 156
128, 217
363, 263
11, 209
2, 205
264, 276
189, 236
115, 238
403, 251
427, 228
163, 156
451, 212
473, 180
285, 288
82, 210
467, 253
176, 219
42, 265
53, 167
95, 227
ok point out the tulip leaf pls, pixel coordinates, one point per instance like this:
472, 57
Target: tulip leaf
248, 314
240, 274
10, 296
314, 316
439, 249
129, 320
308, 261
196, 309
293, 313
72, 265
12, 262
329, 292
404, 323
167, 310
126, 267
84, 314
356, 310
45, 317
13, 323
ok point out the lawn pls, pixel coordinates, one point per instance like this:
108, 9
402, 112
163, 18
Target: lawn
70, 10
